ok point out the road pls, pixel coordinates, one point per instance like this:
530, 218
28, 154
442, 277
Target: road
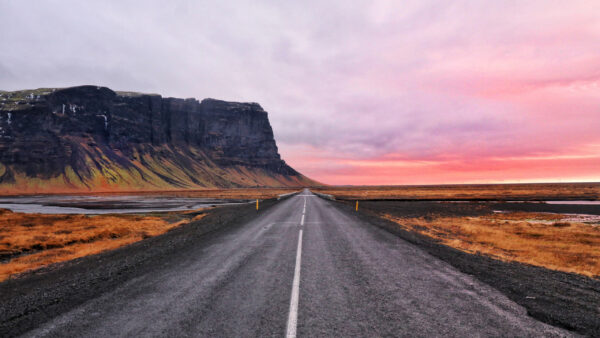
302, 268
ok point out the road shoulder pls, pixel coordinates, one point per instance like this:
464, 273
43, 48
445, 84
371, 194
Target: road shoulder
41, 295
561, 299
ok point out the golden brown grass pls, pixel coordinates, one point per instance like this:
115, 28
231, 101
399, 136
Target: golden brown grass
35, 240
533, 238
30, 241
465, 192
240, 193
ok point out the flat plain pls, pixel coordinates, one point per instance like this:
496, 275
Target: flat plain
530, 192
32, 240
511, 222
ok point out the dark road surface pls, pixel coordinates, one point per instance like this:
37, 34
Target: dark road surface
318, 273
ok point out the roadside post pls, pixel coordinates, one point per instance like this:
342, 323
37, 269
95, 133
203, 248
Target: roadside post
257, 204
356, 205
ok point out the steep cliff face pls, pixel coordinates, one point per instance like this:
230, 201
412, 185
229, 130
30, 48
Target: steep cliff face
92, 138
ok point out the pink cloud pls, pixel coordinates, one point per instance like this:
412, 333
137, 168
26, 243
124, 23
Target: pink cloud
358, 92
373, 172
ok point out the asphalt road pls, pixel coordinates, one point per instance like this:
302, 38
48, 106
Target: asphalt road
303, 267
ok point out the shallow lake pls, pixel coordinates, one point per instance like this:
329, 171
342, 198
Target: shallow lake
71, 204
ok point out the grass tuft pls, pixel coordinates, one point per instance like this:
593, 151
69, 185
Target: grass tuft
531, 238
31, 241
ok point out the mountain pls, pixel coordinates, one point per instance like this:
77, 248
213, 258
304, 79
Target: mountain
91, 138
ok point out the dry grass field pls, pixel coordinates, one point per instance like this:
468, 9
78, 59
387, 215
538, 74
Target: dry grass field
469, 192
234, 193
549, 240
29, 241
239, 193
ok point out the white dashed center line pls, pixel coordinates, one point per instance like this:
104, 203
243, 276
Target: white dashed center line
293, 316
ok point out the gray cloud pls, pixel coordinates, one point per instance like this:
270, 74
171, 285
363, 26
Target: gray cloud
364, 79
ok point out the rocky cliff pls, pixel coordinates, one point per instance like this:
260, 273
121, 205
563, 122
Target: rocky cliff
91, 138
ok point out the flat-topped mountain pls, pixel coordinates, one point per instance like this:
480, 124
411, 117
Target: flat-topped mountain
91, 138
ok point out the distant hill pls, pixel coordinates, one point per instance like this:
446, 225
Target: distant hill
91, 138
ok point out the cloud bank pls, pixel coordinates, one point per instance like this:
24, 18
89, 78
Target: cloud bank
361, 92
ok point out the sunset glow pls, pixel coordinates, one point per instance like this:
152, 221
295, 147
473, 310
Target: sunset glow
383, 92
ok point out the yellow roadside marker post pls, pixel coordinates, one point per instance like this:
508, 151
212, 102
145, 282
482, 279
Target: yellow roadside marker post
257, 204
356, 205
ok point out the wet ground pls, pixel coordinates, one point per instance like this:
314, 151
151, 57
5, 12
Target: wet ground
77, 204
560, 207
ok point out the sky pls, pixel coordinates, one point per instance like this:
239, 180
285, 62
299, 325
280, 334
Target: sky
358, 92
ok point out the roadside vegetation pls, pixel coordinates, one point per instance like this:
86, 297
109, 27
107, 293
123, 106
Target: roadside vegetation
469, 192
30, 241
235, 193
549, 240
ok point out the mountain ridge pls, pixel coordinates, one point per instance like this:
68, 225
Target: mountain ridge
91, 138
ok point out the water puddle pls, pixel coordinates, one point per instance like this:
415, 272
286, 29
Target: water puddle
66, 204
593, 220
582, 218
574, 202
